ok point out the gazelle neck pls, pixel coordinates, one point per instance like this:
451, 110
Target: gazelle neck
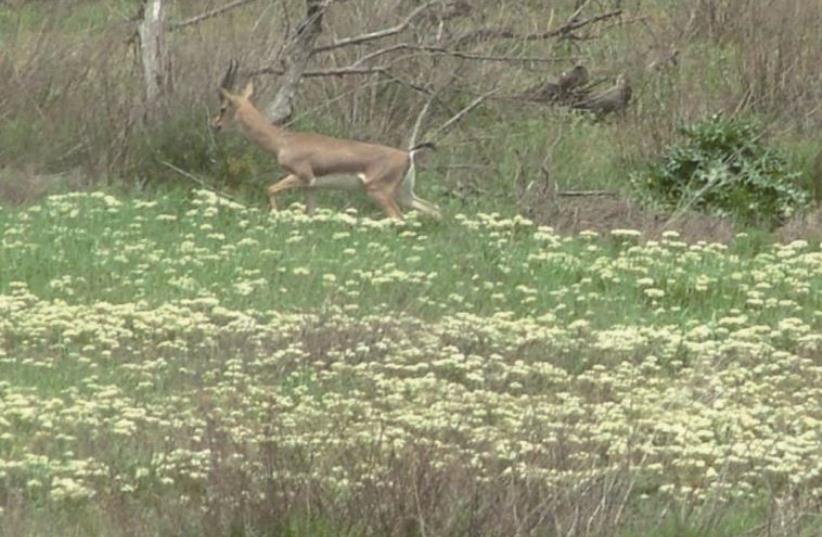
256, 127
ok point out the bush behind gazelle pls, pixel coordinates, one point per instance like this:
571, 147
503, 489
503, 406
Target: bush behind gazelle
722, 166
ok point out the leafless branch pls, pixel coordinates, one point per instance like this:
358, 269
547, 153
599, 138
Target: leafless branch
407, 83
337, 71
382, 52
484, 34
353, 69
460, 54
327, 103
621, 22
586, 193
462, 113
581, 4
356, 69
507, 59
209, 14
200, 182
371, 36
423, 112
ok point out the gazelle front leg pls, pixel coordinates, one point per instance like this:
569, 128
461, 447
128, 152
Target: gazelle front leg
308, 181
310, 200
286, 183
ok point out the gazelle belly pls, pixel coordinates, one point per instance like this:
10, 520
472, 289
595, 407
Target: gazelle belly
339, 182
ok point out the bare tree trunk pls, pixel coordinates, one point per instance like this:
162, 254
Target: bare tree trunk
155, 59
297, 57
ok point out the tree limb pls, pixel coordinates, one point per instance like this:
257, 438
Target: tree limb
586, 193
458, 54
418, 123
371, 36
200, 182
153, 52
459, 115
209, 14
484, 34
356, 68
298, 55
336, 71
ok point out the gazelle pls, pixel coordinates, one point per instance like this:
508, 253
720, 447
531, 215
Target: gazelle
314, 161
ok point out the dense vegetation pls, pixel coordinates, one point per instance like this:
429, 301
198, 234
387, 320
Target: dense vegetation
204, 368
175, 362
722, 167
73, 110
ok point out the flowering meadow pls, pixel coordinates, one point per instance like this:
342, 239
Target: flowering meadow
195, 367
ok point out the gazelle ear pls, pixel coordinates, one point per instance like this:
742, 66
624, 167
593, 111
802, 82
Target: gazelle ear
226, 97
248, 91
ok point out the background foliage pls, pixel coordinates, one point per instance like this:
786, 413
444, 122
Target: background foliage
175, 363
73, 113
722, 166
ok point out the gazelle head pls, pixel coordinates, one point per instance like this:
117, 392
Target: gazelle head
230, 101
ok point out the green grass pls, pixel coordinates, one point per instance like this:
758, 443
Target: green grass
180, 365
167, 249
76, 18
171, 365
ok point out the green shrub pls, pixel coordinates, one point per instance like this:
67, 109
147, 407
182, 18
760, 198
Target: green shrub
226, 161
723, 167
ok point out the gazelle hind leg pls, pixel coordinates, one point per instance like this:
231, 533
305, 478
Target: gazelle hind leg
385, 188
426, 207
385, 199
408, 200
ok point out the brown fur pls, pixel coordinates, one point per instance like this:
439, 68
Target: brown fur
314, 161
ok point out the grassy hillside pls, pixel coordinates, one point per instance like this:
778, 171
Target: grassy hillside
191, 367
174, 363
